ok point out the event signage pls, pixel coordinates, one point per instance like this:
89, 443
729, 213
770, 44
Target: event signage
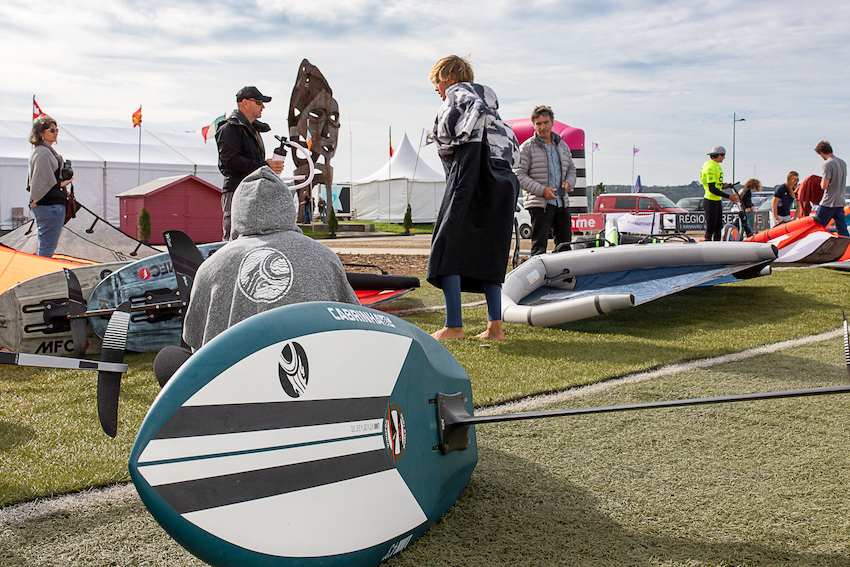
588, 222
695, 220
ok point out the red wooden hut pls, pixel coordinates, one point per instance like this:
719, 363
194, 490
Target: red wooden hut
182, 202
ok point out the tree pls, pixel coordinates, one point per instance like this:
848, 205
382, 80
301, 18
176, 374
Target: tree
408, 220
144, 225
333, 224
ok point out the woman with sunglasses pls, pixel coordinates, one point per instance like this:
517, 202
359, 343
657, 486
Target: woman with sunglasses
47, 192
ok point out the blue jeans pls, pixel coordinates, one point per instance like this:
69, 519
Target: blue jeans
826, 214
50, 220
451, 293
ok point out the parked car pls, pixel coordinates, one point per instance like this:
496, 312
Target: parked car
690, 203
695, 204
523, 218
760, 197
635, 203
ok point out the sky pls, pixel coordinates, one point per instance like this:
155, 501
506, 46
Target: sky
665, 77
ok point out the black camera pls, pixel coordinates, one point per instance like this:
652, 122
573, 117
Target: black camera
67, 172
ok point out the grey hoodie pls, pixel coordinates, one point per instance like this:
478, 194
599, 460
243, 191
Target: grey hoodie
268, 264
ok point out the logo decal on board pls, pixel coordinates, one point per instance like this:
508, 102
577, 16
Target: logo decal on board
293, 369
145, 274
395, 432
265, 275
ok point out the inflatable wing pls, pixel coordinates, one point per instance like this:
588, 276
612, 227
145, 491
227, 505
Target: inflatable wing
551, 289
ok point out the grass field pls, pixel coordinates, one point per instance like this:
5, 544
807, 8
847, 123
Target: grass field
751, 484
761, 483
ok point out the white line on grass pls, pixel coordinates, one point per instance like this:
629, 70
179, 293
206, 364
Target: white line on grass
26, 511
535, 402
20, 513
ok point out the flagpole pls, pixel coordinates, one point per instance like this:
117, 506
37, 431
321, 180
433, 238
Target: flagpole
390, 190
139, 179
415, 165
350, 169
592, 184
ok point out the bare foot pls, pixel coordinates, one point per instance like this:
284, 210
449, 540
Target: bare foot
449, 333
494, 331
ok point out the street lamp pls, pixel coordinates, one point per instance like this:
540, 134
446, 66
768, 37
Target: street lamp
734, 120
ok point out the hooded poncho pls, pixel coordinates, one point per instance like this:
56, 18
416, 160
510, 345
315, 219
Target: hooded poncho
472, 235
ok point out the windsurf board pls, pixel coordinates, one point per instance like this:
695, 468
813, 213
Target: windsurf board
304, 436
33, 313
148, 281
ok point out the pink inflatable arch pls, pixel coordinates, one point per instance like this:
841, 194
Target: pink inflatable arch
574, 138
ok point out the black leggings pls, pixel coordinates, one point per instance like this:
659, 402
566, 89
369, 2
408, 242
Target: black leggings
713, 219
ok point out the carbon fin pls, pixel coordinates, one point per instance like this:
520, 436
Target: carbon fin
76, 305
109, 383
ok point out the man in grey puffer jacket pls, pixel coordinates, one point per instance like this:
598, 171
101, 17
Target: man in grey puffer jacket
547, 175
268, 263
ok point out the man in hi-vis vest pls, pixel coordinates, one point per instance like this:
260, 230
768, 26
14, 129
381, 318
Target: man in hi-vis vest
711, 177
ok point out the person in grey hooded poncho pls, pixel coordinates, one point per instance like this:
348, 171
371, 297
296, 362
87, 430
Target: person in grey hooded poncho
472, 235
268, 264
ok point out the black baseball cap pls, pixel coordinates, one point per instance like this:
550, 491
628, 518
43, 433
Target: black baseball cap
251, 93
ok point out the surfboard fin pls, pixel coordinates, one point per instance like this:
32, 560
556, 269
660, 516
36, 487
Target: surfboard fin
109, 383
186, 259
76, 305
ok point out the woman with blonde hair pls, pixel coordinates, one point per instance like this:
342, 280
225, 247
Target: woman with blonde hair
48, 195
472, 235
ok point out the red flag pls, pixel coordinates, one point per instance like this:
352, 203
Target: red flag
208, 132
391, 141
137, 117
36, 111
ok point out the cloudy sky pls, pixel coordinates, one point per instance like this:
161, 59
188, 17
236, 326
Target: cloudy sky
662, 76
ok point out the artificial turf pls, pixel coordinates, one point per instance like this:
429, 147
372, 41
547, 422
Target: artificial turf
51, 442
749, 484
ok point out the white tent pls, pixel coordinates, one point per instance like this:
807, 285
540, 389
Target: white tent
404, 179
105, 161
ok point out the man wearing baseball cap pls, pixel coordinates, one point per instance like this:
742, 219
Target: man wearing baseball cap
711, 177
240, 147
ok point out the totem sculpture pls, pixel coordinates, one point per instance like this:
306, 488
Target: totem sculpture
314, 123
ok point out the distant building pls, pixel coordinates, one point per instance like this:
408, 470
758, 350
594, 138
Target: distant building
182, 202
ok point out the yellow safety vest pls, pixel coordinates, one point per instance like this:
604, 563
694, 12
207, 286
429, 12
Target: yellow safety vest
711, 173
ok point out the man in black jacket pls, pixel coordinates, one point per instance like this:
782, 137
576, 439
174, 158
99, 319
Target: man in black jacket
240, 147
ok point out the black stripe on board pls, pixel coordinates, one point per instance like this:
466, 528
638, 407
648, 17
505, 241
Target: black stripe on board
206, 493
8, 357
194, 421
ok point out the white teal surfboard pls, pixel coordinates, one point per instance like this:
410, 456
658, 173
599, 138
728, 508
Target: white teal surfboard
304, 436
150, 280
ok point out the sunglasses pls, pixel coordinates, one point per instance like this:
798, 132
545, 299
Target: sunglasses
259, 102
53, 130
543, 113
